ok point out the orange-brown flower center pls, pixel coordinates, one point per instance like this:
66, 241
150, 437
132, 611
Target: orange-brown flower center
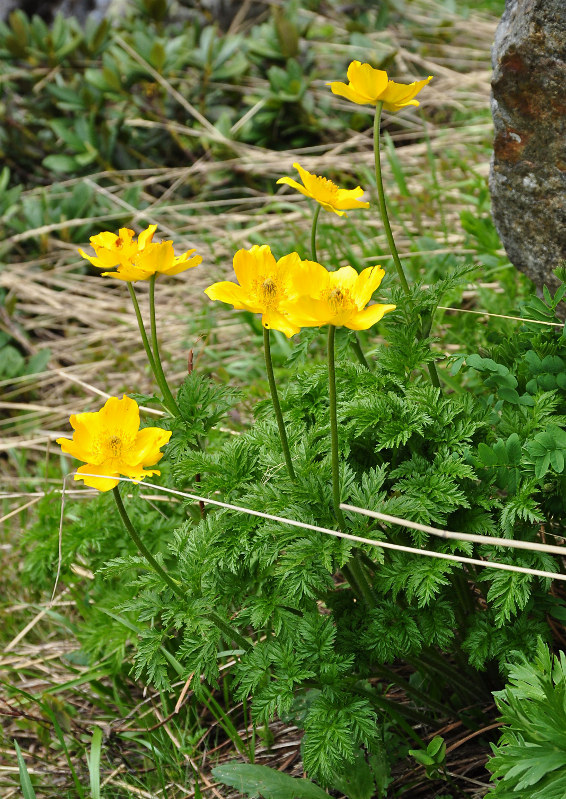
339, 299
269, 292
115, 445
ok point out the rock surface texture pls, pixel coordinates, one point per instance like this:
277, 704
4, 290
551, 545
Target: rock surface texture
528, 170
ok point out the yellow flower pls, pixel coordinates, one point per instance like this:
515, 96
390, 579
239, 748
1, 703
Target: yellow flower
156, 259
325, 192
369, 86
340, 298
114, 250
111, 443
138, 260
265, 285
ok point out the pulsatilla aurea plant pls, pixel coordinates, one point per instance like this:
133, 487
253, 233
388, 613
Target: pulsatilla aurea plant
317, 621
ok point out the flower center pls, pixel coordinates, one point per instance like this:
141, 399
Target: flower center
118, 243
269, 291
114, 444
326, 189
339, 299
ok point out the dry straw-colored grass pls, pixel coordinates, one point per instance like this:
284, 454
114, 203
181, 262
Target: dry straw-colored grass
90, 328
87, 321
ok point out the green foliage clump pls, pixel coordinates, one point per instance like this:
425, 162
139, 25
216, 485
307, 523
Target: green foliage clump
529, 760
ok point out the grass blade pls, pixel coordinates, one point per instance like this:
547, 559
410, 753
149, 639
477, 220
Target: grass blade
25, 781
94, 763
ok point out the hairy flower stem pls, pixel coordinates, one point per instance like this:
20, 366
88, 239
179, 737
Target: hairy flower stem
388, 232
358, 352
276, 405
353, 571
173, 584
141, 326
313, 231
230, 633
382, 203
168, 399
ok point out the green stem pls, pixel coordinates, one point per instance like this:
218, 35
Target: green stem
141, 326
313, 231
358, 572
359, 353
276, 405
425, 330
347, 572
382, 203
168, 399
230, 632
157, 568
334, 429
435, 380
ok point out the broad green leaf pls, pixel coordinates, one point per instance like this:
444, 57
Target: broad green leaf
266, 782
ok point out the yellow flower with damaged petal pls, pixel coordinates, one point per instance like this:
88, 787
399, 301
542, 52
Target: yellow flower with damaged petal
340, 299
156, 259
111, 444
325, 192
369, 86
265, 285
138, 260
115, 250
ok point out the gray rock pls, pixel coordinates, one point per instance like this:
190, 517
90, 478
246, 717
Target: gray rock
528, 170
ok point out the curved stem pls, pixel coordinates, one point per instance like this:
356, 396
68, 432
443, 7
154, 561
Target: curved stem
334, 429
157, 568
168, 398
215, 618
276, 405
435, 380
359, 353
382, 203
141, 326
313, 231
360, 576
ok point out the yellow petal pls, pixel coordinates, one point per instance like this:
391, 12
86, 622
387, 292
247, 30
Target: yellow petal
274, 320
250, 264
121, 415
100, 483
183, 262
146, 236
128, 273
367, 81
307, 312
367, 282
308, 278
105, 259
362, 320
342, 90
229, 292
295, 185
399, 95
145, 451
83, 445
344, 278
136, 472
155, 257
347, 199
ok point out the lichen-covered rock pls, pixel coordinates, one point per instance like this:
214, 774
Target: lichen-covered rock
528, 170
